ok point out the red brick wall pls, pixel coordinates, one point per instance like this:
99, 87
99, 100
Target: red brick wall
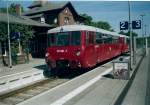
62, 15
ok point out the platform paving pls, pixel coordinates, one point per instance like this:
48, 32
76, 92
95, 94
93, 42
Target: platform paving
139, 91
35, 63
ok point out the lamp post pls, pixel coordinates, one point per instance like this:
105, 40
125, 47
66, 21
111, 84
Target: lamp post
142, 30
146, 44
8, 32
131, 50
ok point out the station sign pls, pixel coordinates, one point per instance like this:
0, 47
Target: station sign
136, 24
14, 35
124, 25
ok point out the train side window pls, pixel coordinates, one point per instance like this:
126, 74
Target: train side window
51, 39
99, 38
114, 39
109, 39
104, 38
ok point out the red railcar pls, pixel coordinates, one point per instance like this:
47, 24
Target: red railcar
81, 46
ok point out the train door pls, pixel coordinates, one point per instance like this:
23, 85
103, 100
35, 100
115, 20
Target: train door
106, 52
115, 41
121, 44
90, 52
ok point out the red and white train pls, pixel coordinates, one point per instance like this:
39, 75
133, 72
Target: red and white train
81, 46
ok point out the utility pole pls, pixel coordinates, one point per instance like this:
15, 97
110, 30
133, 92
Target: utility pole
8, 32
131, 51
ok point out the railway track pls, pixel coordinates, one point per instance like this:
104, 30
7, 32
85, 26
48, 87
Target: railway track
23, 94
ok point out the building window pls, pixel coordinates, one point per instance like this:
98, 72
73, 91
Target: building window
55, 20
66, 20
42, 20
66, 11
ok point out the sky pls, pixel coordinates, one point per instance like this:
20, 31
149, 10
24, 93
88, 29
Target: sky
112, 12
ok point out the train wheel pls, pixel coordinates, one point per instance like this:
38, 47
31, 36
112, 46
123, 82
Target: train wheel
47, 73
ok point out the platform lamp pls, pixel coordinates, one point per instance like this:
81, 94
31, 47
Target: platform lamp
131, 50
142, 15
146, 42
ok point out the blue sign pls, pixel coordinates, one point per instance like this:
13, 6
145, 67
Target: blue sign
136, 24
14, 35
124, 25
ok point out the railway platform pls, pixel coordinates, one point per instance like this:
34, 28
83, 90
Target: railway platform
95, 88
35, 63
139, 91
21, 75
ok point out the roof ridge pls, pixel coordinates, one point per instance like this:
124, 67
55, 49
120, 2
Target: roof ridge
48, 6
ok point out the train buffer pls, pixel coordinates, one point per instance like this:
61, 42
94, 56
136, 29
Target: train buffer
93, 88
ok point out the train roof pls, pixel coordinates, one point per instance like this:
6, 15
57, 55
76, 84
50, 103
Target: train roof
83, 27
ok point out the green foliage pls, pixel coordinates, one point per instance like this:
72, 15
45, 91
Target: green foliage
103, 25
26, 32
88, 20
127, 33
100, 24
3, 31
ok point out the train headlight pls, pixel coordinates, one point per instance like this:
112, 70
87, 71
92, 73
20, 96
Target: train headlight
47, 54
78, 53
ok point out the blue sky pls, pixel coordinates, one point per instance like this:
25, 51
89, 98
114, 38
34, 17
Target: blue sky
110, 11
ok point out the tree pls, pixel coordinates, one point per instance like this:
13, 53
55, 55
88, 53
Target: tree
100, 24
88, 19
128, 33
103, 25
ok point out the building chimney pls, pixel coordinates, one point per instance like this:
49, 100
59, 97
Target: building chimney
43, 2
18, 9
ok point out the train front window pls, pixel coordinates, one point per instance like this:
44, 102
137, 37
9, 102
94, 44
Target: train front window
75, 38
64, 39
